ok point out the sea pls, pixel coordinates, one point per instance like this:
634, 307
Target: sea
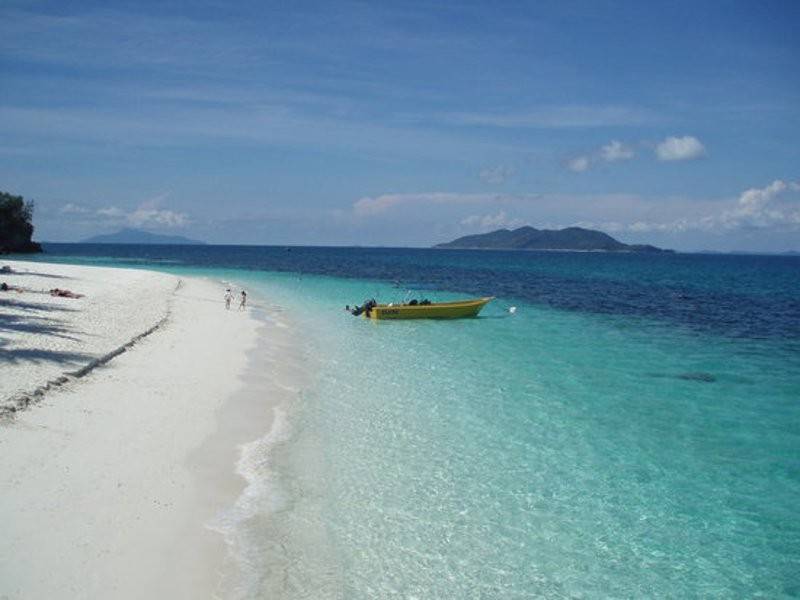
610, 426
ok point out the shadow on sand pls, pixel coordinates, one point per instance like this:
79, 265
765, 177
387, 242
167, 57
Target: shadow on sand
6, 303
33, 355
34, 274
35, 325
38, 320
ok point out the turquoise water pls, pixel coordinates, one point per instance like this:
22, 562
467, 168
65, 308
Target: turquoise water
550, 454
559, 452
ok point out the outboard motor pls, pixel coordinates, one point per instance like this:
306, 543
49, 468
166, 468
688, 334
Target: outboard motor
366, 307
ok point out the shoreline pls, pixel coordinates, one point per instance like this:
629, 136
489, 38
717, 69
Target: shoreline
110, 480
250, 423
275, 534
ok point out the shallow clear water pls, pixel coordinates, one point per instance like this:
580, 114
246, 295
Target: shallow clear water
633, 430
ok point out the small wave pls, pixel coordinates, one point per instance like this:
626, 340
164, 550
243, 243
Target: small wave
261, 497
288, 388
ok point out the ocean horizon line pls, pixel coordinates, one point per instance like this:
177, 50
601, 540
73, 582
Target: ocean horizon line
789, 253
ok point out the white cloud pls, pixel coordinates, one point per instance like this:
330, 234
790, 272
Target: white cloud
769, 206
498, 174
111, 211
147, 214
615, 151
579, 164
491, 222
680, 148
74, 209
144, 217
671, 149
639, 226
698, 223
754, 200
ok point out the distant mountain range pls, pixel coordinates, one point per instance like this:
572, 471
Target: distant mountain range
137, 236
529, 238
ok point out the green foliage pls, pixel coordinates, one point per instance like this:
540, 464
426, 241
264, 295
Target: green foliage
16, 227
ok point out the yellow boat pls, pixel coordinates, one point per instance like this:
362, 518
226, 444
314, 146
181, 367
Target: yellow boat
435, 310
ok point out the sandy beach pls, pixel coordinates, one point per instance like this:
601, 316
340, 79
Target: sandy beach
113, 460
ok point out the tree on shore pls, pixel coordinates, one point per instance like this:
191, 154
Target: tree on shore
16, 226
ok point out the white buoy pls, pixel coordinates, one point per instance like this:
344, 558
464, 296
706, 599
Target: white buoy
512, 309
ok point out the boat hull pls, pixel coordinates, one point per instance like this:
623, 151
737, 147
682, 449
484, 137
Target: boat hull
439, 310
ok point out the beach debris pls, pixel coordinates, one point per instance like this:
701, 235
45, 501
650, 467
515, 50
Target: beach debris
4, 287
64, 293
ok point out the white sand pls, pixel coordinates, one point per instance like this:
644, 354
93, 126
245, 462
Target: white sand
103, 494
42, 336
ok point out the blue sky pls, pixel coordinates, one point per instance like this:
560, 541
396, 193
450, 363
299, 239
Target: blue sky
405, 123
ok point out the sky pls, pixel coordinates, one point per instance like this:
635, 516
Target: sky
405, 123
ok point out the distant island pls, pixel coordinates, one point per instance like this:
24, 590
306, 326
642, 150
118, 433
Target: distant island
137, 236
16, 226
530, 238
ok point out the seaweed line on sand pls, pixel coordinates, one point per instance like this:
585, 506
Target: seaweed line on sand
10, 407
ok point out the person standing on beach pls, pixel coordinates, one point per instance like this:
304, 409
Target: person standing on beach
243, 301
228, 298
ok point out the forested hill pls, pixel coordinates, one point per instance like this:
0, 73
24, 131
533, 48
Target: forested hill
530, 238
16, 224
137, 236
